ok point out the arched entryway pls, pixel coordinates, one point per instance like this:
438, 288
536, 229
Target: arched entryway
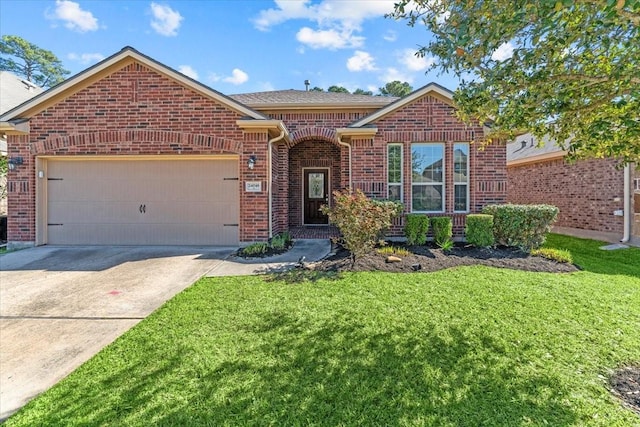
315, 171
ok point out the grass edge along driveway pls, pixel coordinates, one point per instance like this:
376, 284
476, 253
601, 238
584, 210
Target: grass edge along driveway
467, 346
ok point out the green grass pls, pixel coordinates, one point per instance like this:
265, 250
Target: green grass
463, 347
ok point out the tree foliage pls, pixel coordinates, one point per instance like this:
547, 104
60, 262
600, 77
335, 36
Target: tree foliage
27, 60
337, 89
574, 71
362, 92
396, 88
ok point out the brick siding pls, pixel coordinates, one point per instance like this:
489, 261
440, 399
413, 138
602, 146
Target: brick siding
586, 192
137, 111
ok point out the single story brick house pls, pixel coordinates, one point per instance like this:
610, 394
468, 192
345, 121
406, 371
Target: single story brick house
132, 152
597, 198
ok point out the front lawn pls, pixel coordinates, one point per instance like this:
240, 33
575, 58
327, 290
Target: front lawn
468, 346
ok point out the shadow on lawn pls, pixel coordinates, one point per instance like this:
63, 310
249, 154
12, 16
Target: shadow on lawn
328, 375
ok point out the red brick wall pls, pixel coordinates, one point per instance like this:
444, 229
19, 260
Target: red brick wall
426, 120
432, 120
136, 111
585, 192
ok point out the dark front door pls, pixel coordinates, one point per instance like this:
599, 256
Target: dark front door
316, 194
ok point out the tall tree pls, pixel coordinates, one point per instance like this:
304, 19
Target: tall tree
396, 88
569, 69
27, 60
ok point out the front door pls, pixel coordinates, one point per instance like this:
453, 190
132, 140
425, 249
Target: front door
316, 194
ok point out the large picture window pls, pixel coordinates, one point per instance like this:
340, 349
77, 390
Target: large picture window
427, 177
461, 177
394, 172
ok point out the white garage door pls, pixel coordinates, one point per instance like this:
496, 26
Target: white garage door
143, 202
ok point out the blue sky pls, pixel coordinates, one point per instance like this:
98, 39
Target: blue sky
235, 46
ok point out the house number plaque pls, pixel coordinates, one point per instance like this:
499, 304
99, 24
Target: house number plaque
253, 186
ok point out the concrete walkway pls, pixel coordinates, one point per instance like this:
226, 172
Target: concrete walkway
59, 306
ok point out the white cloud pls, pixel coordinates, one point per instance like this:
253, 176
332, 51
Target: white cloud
328, 39
188, 71
74, 17
408, 58
351, 13
390, 36
86, 58
373, 88
504, 51
391, 74
337, 21
166, 21
361, 61
237, 77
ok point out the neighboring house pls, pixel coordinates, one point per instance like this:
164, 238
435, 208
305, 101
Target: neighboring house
597, 198
13, 91
133, 152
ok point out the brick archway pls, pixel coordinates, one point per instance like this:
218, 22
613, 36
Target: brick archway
136, 141
315, 134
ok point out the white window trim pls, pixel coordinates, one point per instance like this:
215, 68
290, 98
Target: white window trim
401, 183
444, 176
467, 183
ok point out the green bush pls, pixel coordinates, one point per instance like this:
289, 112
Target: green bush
361, 220
281, 241
442, 231
478, 230
416, 228
523, 226
255, 249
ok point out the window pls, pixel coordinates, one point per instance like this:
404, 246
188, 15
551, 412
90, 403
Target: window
461, 177
394, 172
427, 177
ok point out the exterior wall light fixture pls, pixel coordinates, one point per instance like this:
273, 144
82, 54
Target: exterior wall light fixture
15, 162
252, 162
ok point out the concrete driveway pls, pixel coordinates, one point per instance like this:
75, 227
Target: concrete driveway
60, 305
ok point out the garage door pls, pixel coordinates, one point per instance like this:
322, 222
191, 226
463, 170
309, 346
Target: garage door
143, 202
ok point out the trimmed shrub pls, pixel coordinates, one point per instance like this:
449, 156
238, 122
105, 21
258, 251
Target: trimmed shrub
416, 228
478, 230
442, 231
361, 220
281, 241
523, 226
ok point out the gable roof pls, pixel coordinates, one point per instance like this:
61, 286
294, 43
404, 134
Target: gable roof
14, 91
302, 99
524, 149
432, 88
113, 63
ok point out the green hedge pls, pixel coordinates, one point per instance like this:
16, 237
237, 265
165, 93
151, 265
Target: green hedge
524, 226
442, 231
478, 230
416, 228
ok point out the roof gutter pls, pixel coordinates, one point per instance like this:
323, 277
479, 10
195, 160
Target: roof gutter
283, 132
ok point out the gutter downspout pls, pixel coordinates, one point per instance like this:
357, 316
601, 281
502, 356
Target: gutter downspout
345, 144
269, 178
627, 205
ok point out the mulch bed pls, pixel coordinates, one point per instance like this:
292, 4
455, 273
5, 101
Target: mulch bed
625, 384
431, 258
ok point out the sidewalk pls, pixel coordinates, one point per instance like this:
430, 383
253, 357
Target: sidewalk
311, 249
